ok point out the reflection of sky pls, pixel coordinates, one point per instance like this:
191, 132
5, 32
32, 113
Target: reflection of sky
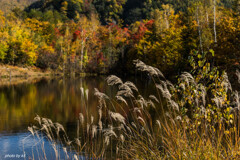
17, 144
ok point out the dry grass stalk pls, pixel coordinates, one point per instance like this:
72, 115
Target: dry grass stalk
170, 135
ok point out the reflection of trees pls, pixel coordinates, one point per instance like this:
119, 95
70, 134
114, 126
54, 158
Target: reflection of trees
57, 99
16, 105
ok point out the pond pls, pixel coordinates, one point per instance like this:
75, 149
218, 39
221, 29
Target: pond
58, 99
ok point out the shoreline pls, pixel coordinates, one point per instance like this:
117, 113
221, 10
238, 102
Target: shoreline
8, 71
12, 75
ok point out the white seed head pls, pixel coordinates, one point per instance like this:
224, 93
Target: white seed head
94, 131
122, 138
131, 85
78, 142
159, 124
112, 80
141, 120
37, 118
31, 130
59, 127
117, 117
154, 98
100, 95
121, 99
88, 127
106, 140
109, 132
238, 75
81, 118
92, 118
149, 69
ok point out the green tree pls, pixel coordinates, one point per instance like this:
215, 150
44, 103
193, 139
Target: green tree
109, 10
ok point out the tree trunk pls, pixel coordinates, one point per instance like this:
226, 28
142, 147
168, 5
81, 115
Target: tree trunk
199, 32
82, 50
214, 23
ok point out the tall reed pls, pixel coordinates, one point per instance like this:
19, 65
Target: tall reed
197, 118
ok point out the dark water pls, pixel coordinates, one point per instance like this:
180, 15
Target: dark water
58, 99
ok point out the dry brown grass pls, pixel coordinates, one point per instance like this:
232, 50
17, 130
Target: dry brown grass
12, 75
15, 71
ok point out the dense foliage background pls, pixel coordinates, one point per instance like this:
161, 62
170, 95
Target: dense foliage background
104, 35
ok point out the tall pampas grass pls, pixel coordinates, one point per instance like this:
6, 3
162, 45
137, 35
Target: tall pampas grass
187, 120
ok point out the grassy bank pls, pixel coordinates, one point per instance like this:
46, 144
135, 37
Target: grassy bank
8, 71
21, 80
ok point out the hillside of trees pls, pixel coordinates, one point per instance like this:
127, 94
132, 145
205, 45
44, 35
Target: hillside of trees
104, 35
7, 5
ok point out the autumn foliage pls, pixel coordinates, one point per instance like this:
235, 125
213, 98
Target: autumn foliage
50, 39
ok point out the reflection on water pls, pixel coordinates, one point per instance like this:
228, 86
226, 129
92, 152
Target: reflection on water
21, 146
58, 99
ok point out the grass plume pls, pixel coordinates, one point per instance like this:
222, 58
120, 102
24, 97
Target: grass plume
196, 118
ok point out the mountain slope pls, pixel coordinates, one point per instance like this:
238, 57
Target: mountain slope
7, 5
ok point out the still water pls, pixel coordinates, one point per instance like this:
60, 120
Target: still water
56, 98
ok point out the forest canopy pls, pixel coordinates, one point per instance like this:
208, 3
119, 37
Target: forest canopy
105, 35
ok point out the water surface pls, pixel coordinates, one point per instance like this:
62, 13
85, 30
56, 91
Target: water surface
58, 99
